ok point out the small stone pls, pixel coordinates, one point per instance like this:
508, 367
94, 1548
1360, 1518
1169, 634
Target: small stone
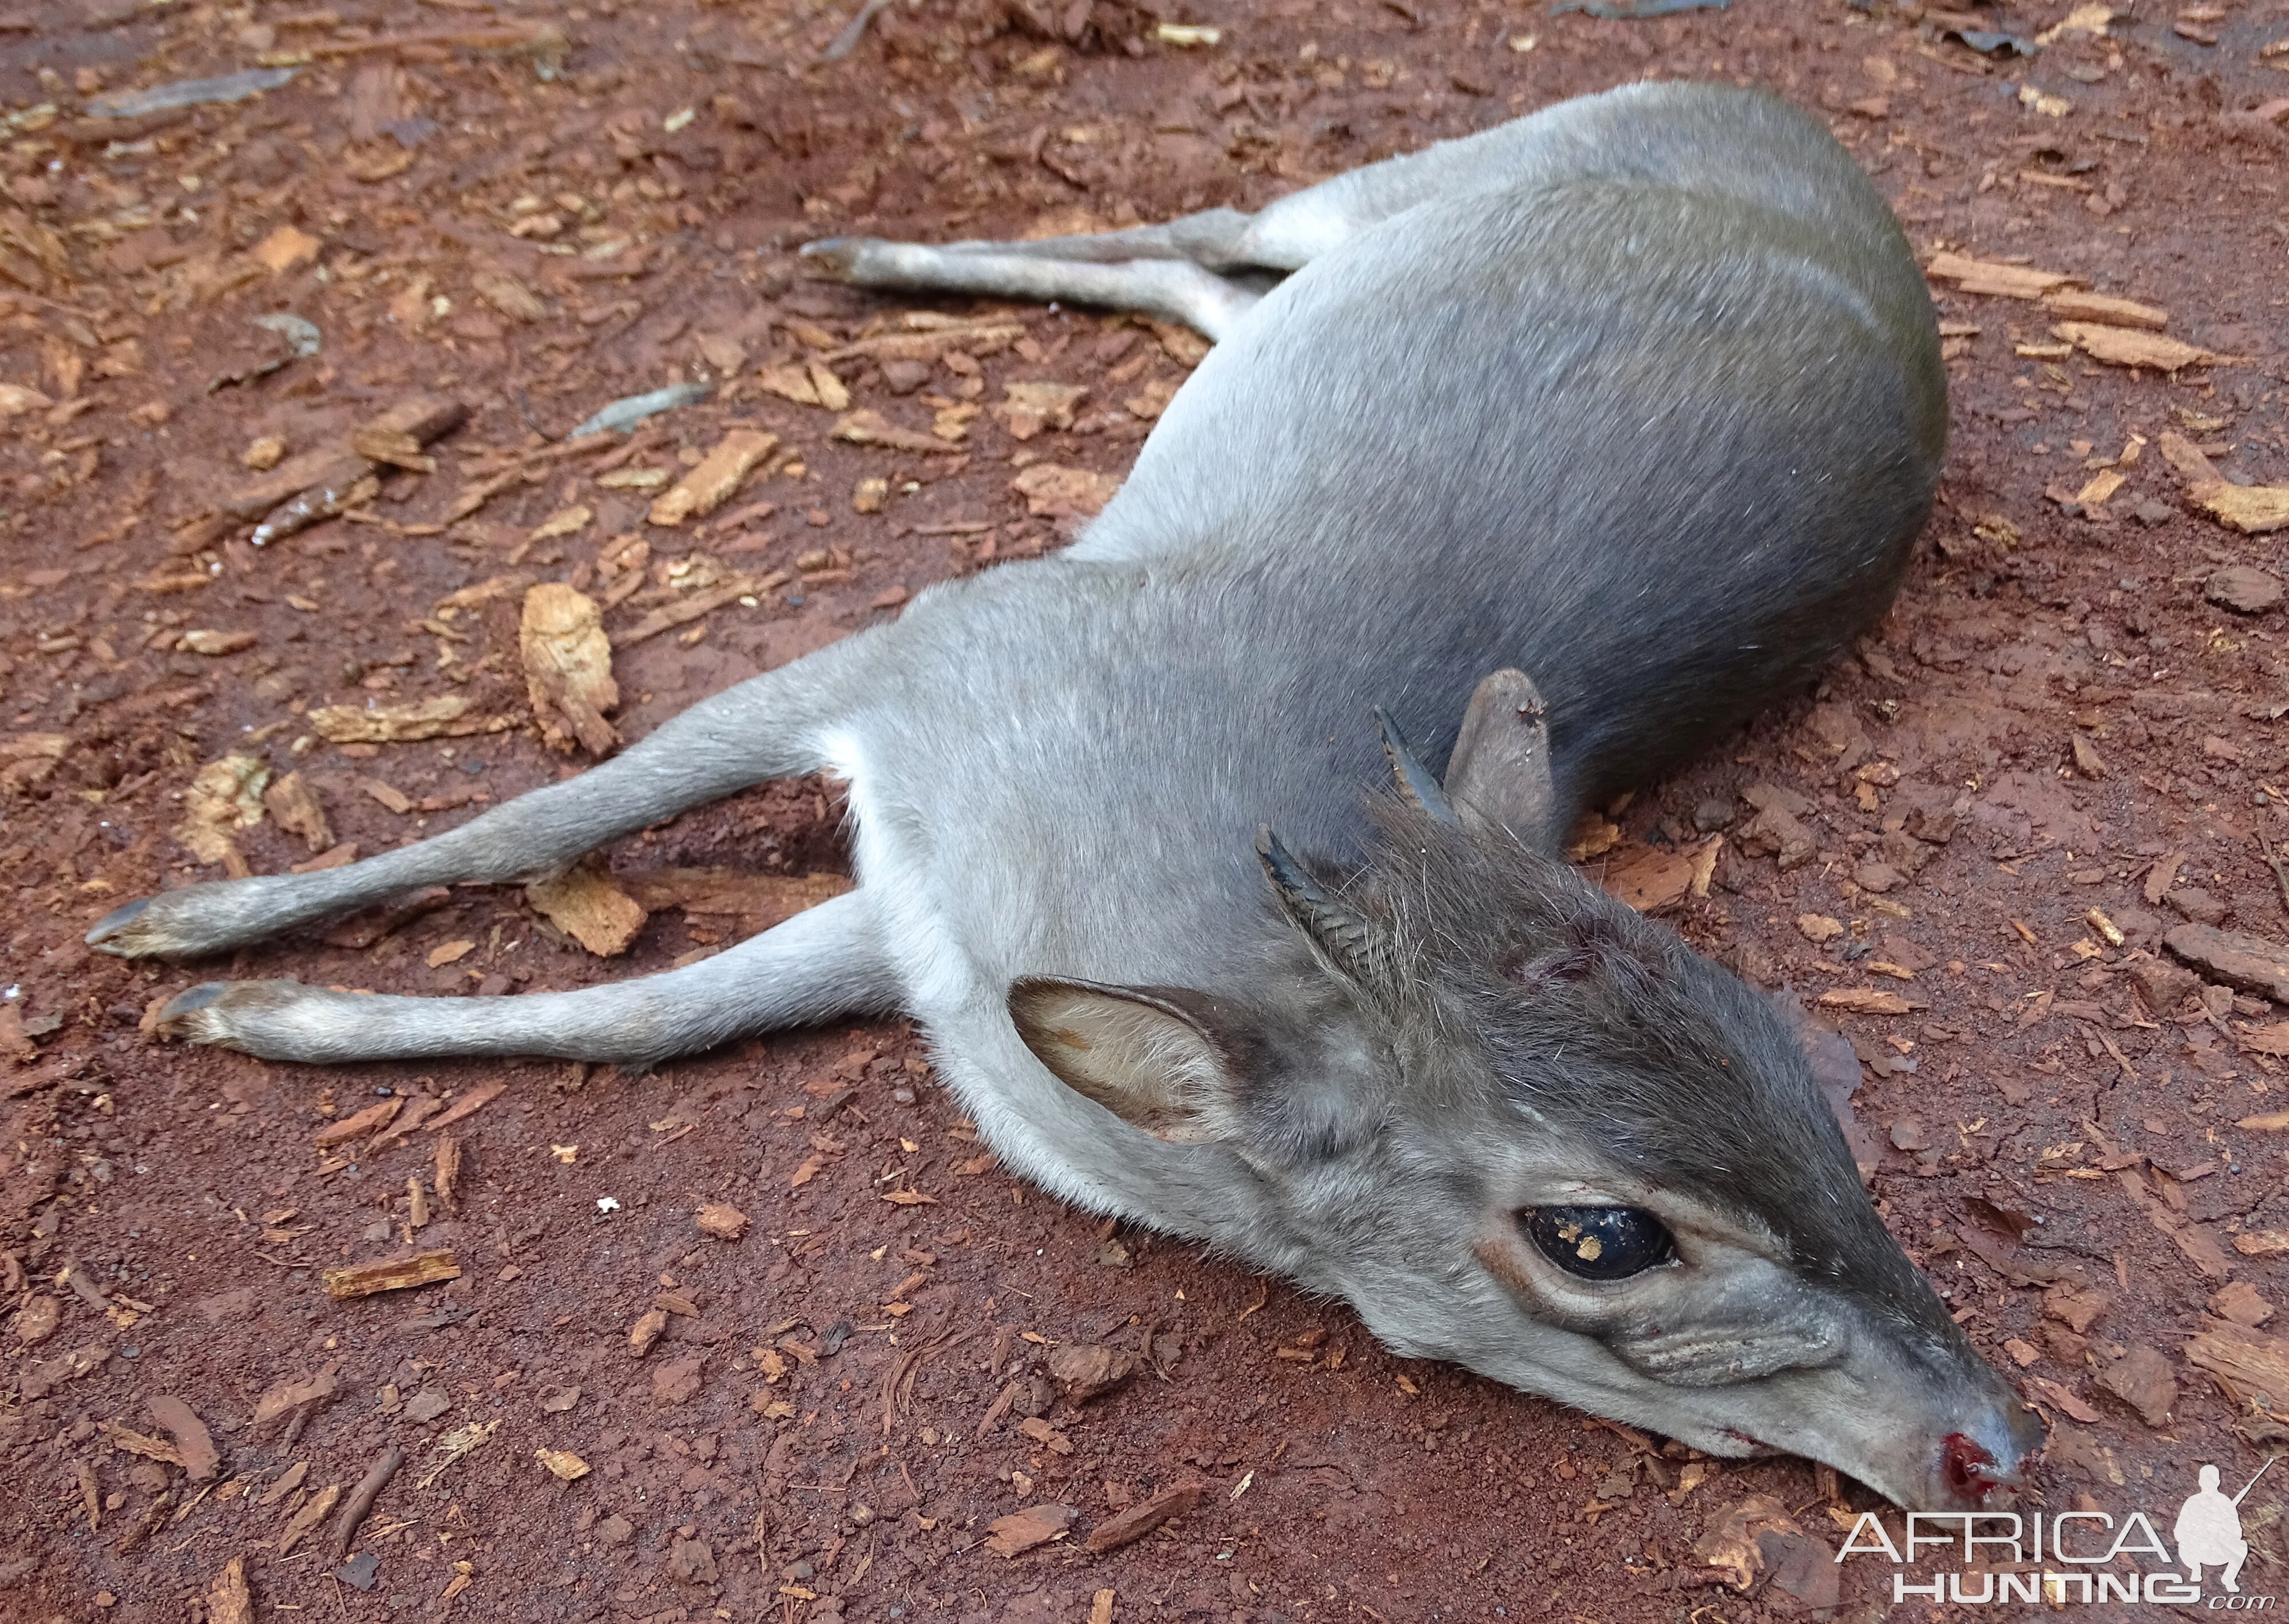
1818, 927
1083, 1372
2149, 512
427, 1404
2142, 1379
692, 1562
678, 1381
645, 1332
2087, 761
1877, 878
616, 1529
2241, 1303
1713, 814
2164, 985
2199, 906
38, 1319
2243, 589
904, 377
721, 1220
360, 1571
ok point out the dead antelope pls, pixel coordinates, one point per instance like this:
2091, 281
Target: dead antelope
1640, 395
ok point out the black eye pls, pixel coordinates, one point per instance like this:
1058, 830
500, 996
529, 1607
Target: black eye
1599, 1242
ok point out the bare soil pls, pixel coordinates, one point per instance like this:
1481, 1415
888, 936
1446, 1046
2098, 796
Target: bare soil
2057, 725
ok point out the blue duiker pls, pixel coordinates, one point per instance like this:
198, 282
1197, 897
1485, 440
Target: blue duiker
1565, 447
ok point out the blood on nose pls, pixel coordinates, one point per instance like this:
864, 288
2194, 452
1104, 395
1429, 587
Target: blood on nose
1966, 1467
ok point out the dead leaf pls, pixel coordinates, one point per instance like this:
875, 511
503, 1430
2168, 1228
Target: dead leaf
225, 795
564, 521
1052, 491
1030, 407
295, 807
568, 668
789, 383
586, 904
1021, 1531
721, 1220
285, 249
716, 480
510, 296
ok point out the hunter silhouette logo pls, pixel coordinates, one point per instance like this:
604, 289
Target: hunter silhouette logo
2208, 1530
2078, 1556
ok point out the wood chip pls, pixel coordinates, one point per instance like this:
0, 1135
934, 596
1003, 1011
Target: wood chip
448, 1172
2130, 347
870, 427
2004, 280
694, 605
446, 716
1082, 1373
194, 1443
568, 668
1868, 1000
2074, 304
372, 1119
397, 1274
1021, 1531
475, 1100
1128, 1527
716, 480
228, 1599
2242, 961
312, 1512
2255, 1363
566, 1465
586, 904
285, 1397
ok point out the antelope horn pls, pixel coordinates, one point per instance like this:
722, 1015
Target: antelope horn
1416, 786
1341, 932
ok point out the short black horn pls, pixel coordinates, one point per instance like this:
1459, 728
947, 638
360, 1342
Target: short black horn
1341, 932
1420, 790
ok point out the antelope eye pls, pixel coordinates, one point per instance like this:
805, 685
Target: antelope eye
1599, 1242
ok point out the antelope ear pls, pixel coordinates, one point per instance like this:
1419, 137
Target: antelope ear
1499, 773
1164, 1059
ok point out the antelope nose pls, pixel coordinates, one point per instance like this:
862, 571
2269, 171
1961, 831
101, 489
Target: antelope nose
1967, 1467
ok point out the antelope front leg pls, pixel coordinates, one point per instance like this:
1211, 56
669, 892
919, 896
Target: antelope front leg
761, 729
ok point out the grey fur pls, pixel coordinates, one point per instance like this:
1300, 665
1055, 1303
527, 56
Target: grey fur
1640, 395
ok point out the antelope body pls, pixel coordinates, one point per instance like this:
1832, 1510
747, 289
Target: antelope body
1639, 396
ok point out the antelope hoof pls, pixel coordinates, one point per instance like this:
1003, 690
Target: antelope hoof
216, 1011
175, 924
113, 925
838, 257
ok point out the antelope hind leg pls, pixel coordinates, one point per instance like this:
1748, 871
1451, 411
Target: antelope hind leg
825, 962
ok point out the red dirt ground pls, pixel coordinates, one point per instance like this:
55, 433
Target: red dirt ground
2057, 718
